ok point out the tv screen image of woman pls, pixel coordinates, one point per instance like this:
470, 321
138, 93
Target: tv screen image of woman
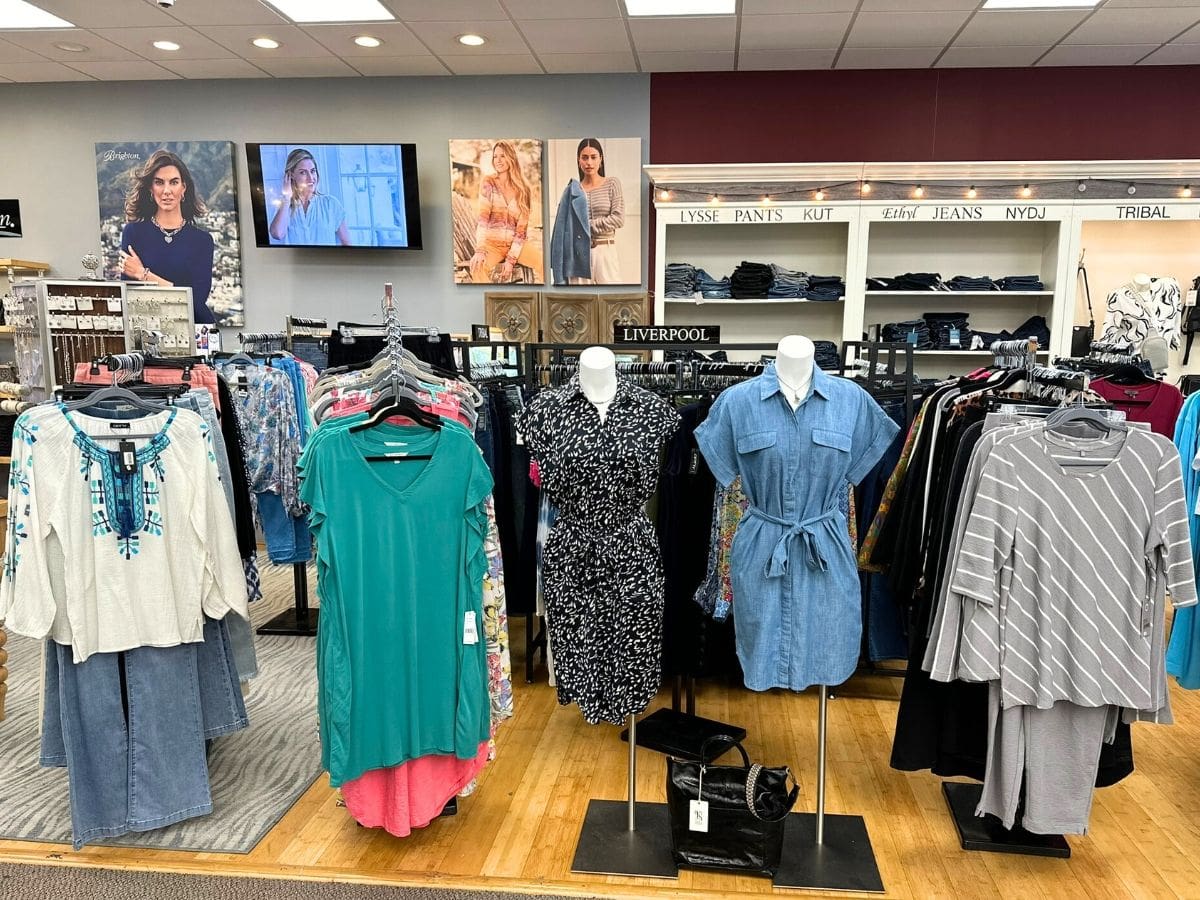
168, 216
596, 239
496, 194
306, 216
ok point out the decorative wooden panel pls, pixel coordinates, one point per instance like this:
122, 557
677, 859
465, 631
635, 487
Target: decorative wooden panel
569, 319
515, 314
620, 309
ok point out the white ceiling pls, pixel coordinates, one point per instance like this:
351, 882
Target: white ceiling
570, 36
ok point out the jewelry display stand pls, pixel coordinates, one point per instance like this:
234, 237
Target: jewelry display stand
161, 316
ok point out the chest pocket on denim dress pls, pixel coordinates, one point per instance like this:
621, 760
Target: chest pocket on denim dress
757, 456
831, 450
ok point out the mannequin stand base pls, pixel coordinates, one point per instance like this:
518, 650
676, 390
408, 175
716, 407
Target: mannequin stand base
607, 846
986, 832
292, 622
844, 862
679, 734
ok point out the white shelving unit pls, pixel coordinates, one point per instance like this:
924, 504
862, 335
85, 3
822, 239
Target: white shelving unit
889, 231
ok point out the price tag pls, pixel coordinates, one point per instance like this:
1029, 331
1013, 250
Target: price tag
912, 337
698, 815
470, 628
84, 323
955, 337
128, 454
1190, 298
83, 304
114, 305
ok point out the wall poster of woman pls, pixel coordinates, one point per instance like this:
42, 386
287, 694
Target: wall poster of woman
168, 216
596, 237
496, 203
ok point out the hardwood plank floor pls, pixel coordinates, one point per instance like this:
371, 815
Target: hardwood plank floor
517, 832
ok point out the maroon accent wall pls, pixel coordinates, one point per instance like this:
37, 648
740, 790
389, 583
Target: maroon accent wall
925, 114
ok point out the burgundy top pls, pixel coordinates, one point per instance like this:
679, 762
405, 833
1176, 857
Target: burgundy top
1156, 403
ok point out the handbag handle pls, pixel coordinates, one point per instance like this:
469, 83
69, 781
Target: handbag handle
725, 741
752, 783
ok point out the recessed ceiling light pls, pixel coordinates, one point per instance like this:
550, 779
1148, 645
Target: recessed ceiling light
472, 40
19, 14
71, 48
1040, 4
341, 11
365, 40
681, 7
166, 45
265, 43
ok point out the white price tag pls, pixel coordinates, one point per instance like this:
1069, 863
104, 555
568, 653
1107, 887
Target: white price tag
84, 323
470, 628
698, 815
83, 304
114, 305
1190, 298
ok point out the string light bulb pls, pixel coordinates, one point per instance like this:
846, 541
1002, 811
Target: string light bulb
972, 193
820, 194
919, 192
1082, 186
866, 187
714, 199
664, 195
1026, 191
1131, 190
766, 198
1187, 191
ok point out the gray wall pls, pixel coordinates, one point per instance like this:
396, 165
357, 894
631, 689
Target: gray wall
47, 161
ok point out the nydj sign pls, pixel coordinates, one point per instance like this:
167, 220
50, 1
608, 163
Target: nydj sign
667, 334
10, 218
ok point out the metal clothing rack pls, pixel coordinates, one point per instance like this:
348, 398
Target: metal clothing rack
506, 361
263, 341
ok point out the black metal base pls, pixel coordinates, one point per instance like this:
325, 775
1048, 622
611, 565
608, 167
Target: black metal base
986, 832
679, 734
845, 861
607, 846
293, 622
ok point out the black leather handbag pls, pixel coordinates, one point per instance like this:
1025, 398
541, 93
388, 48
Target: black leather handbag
741, 812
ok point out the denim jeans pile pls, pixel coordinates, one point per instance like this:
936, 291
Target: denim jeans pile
948, 331
826, 356
913, 331
1021, 283
972, 283
681, 280
787, 284
751, 281
909, 281
825, 287
1033, 327
712, 288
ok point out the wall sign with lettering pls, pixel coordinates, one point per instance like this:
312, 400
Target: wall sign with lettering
667, 334
10, 218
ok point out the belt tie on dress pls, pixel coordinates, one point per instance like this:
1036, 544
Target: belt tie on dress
805, 530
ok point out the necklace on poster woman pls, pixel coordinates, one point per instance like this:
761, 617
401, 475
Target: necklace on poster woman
167, 233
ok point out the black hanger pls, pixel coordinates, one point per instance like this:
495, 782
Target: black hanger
1127, 374
402, 406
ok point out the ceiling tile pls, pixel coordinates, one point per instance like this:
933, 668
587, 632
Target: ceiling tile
43, 71
817, 31
699, 33
887, 58
781, 7
399, 65
1027, 28
918, 5
123, 70
1134, 26
43, 42
442, 38
568, 36
704, 61
496, 64
12, 53
562, 9
312, 67
227, 12
215, 68
445, 10
192, 44
293, 42
758, 60
980, 57
106, 13
1174, 55
339, 39
567, 63
1097, 55
905, 29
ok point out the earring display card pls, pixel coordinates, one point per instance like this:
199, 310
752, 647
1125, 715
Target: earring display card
159, 319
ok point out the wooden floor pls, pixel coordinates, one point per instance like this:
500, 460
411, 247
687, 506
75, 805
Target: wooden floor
518, 831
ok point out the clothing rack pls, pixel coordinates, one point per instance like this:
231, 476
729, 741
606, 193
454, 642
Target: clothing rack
506, 361
348, 333
298, 326
273, 340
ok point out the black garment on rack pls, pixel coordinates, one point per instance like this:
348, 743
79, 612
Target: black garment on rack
693, 644
362, 349
243, 512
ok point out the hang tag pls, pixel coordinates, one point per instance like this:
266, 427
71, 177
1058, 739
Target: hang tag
694, 463
698, 815
83, 304
1189, 298
912, 337
955, 337
114, 305
128, 454
470, 629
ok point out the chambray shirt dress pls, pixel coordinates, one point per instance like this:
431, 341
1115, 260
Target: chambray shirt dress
797, 600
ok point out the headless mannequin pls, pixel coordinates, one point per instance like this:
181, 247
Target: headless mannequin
598, 377
794, 368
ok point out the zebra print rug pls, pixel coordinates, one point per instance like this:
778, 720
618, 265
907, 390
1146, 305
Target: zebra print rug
256, 774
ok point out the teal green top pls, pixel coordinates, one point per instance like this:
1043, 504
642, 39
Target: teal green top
400, 565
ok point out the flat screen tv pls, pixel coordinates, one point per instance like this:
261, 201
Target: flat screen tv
335, 195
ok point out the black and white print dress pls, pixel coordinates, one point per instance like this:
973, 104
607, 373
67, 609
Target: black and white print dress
1133, 315
602, 573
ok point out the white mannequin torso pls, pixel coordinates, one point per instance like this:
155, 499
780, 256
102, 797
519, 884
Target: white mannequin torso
598, 378
794, 368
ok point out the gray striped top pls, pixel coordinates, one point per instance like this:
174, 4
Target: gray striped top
1062, 571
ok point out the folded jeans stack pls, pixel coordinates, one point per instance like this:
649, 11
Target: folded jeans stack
787, 284
1021, 283
909, 281
972, 283
681, 280
826, 355
712, 288
825, 287
751, 281
913, 331
949, 331
1033, 327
